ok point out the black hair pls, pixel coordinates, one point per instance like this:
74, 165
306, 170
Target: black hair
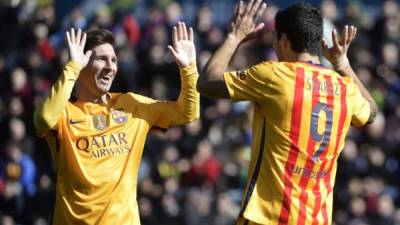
303, 26
97, 37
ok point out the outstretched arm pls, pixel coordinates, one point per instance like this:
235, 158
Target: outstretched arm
48, 112
243, 27
337, 55
184, 53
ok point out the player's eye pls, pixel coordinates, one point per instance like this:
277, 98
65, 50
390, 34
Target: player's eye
101, 58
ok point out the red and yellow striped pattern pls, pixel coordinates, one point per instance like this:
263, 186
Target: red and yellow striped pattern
302, 113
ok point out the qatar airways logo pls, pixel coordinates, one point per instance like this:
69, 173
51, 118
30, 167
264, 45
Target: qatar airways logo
104, 145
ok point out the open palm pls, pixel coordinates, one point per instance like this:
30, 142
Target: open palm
340, 45
244, 24
183, 48
76, 45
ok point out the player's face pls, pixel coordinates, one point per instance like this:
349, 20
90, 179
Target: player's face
101, 70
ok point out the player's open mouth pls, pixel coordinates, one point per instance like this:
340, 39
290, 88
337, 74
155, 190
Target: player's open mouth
105, 78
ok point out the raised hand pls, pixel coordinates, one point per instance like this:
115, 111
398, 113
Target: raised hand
76, 44
244, 24
183, 48
337, 54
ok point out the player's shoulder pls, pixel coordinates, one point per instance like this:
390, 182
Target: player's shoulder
130, 98
267, 70
263, 68
320, 70
278, 66
351, 87
267, 64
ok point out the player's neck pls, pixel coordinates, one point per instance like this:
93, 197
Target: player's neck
84, 96
303, 57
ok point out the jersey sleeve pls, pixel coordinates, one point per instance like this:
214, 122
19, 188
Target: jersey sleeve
49, 111
362, 109
163, 114
250, 84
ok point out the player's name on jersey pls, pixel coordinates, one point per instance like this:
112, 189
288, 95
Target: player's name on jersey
322, 87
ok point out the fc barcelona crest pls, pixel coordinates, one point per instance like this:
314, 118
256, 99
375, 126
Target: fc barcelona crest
100, 122
119, 116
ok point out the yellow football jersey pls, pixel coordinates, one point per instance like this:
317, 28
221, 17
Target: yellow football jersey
97, 148
302, 113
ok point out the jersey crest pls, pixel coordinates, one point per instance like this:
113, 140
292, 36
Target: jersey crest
99, 122
119, 116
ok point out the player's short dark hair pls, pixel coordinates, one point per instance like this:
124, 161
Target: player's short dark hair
97, 37
303, 26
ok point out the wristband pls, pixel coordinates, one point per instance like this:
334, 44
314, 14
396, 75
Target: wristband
341, 62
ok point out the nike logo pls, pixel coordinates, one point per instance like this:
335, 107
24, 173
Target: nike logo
72, 121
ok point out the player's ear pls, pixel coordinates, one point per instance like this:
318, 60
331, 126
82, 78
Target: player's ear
283, 37
284, 41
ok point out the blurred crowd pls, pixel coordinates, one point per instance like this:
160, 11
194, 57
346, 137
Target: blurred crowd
194, 174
